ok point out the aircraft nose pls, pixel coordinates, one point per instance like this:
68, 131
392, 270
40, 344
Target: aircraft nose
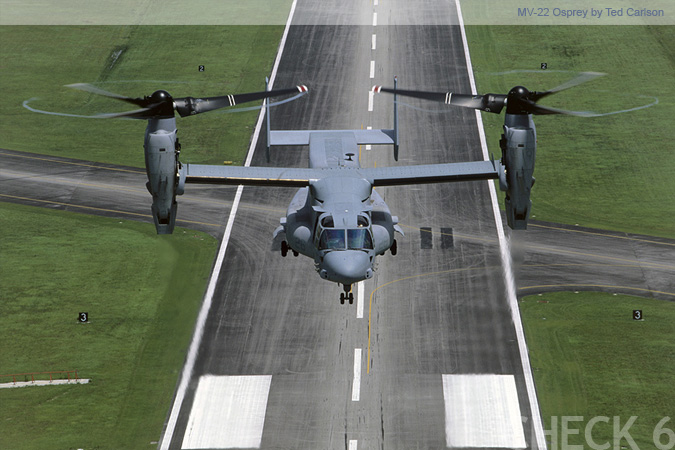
346, 266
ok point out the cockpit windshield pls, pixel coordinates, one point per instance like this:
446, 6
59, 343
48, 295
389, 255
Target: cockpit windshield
359, 239
332, 239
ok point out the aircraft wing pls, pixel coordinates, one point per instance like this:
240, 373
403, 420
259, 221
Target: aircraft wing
433, 173
379, 176
250, 176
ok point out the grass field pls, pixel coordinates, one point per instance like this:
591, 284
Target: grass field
141, 291
590, 358
611, 172
236, 59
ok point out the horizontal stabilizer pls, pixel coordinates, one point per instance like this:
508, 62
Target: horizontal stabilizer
363, 137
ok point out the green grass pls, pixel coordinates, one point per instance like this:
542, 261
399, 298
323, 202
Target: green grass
236, 60
590, 358
611, 172
142, 293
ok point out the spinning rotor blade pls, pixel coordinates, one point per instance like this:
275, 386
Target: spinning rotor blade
94, 90
135, 114
488, 103
519, 100
580, 79
161, 105
189, 106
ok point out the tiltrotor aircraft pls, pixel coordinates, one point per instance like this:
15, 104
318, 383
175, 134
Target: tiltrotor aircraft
336, 217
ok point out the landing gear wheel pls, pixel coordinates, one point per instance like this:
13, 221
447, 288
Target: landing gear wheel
342, 298
351, 298
284, 249
394, 248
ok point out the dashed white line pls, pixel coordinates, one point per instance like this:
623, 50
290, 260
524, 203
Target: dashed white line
372, 69
376, 2
359, 286
370, 100
356, 387
353, 444
374, 45
374, 19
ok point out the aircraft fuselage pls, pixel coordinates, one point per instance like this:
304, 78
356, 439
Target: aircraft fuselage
339, 220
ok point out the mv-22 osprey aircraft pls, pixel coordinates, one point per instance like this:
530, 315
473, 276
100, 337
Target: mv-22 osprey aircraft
336, 217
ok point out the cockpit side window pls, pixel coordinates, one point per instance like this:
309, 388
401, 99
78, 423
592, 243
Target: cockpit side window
327, 222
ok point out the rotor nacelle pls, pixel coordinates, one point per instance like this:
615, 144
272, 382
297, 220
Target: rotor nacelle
518, 144
162, 166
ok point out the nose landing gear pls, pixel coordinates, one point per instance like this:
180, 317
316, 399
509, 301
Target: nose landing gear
347, 294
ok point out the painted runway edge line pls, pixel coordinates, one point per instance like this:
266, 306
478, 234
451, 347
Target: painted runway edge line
537, 424
186, 373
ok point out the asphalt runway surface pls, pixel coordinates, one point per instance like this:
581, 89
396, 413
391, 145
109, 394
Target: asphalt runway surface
376, 374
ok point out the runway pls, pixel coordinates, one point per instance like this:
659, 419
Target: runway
434, 322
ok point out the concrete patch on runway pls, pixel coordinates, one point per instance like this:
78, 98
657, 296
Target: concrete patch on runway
228, 412
482, 411
426, 238
447, 239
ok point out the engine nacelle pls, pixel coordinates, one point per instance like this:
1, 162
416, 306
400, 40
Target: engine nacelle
162, 167
519, 144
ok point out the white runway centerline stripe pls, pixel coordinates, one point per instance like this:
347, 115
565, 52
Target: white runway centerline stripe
353, 445
228, 412
374, 19
374, 44
360, 293
482, 411
356, 387
372, 69
370, 101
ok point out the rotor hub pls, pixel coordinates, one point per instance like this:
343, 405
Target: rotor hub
160, 96
518, 101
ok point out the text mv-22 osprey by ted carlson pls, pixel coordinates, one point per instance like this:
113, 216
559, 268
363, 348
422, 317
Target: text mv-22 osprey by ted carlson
336, 217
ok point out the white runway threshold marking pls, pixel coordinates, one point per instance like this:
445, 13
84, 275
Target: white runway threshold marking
482, 411
228, 412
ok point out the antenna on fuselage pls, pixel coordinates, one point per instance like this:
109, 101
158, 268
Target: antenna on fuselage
267, 112
395, 121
